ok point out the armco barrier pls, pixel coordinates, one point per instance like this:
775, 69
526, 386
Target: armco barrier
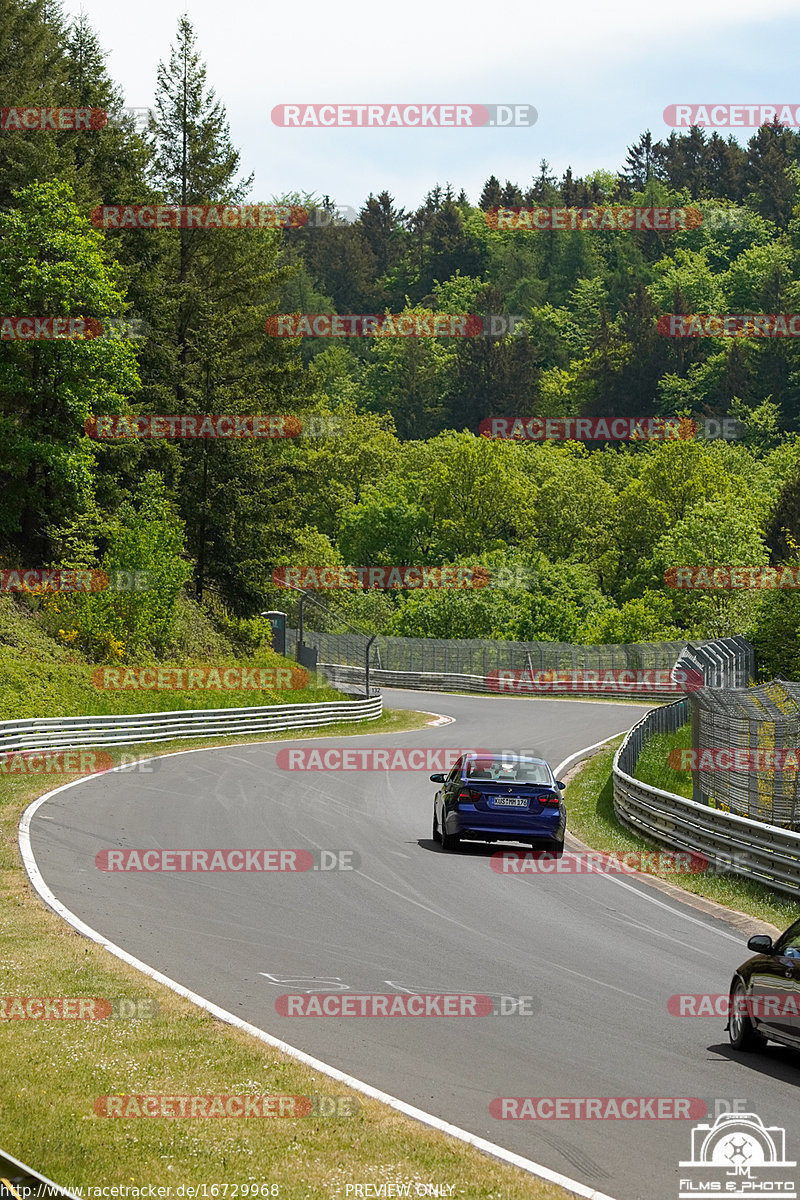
49, 733
464, 665
340, 675
754, 850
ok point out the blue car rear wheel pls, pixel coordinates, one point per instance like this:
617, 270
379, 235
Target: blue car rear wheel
450, 841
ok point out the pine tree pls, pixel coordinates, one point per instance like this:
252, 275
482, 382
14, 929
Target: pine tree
511, 196
209, 292
111, 163
640, 163
769, 153
491, 194
382, 226
31, 73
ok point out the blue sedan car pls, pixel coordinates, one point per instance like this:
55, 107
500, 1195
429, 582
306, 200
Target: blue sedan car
500, 798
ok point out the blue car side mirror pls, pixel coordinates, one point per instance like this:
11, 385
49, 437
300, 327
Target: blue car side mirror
560, 785
438, 778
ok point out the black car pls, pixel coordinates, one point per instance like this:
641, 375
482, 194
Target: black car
765, 993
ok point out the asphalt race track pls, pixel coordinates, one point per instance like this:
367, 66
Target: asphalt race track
599, 954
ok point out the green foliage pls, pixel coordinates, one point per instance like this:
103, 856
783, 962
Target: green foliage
395, 473
647, 618
52, 264
775, 634
125, 625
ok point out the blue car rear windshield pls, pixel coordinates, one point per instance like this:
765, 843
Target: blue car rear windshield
502, 770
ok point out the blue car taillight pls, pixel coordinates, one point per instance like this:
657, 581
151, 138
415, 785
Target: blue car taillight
550, 801
468, 797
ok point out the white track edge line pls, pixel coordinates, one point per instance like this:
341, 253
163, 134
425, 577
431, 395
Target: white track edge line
580, 753
417, 1114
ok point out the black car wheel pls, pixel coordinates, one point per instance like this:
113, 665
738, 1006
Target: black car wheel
556, 847
436, 835
740, 1028
450, 841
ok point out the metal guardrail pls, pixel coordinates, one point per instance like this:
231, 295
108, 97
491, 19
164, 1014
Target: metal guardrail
68, 733
744, 847
479, 657
339, 674
467, 665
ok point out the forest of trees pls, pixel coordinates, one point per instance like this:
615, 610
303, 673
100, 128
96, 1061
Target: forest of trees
579, 537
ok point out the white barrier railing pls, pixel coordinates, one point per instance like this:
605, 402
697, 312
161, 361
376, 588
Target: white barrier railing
752, 849
49, 733
339, 674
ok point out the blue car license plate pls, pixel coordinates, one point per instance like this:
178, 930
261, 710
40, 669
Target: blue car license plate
510, 801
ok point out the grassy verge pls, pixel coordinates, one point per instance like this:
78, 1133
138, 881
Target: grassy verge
78, 689
54, 1070
653, 767
590, 805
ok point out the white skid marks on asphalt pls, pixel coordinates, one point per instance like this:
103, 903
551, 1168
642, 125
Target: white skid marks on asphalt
676, 912
409, 1110
500, 941
643, 927
642, 892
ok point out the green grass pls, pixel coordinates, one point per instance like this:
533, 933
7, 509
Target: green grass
40, 676
590, 808
65, 689
653, 765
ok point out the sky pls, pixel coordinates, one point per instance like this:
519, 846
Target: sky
598, 74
